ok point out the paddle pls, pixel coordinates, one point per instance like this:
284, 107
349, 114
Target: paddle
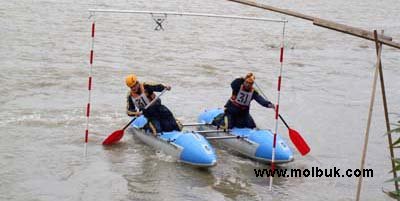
297, 140
294, 136
117, 135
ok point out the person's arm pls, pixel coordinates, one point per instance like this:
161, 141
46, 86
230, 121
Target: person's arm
235, 85
152, 87
130, 107
262, 101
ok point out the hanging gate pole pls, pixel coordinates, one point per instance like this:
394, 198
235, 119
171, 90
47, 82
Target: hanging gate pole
277, 107
89, 86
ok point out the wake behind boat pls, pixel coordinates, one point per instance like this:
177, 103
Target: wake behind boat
186, 147
253, 143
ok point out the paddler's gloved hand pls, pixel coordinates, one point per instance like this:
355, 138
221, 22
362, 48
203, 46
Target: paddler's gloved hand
137, 114
271, 105
167, 87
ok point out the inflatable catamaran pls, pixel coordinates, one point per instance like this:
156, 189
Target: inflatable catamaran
186, 147
253, 143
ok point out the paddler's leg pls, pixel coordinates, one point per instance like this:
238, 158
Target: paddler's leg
179, 123
153, 116
155, 126
240, 121
249, 121
229, 118
219, 120
167, 120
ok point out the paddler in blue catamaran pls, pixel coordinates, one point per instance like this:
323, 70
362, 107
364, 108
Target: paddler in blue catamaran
237, 108
160, 118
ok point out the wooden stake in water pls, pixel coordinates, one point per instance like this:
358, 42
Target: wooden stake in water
371, 106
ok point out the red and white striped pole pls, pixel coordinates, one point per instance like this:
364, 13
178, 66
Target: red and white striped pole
277, 107
89, 87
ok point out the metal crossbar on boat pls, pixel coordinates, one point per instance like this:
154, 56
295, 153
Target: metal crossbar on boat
195, 124
225, 137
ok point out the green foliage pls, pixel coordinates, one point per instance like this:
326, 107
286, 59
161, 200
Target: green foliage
393, 194
395, 145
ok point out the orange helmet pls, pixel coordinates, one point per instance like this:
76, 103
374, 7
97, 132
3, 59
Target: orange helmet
131, 80
250, 78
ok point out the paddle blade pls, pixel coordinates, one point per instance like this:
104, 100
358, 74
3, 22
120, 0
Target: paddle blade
299, 142
114, 137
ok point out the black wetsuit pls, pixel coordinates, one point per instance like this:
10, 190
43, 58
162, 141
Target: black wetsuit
158, 115
239, 115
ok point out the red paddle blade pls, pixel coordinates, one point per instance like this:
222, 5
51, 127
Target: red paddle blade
114, 137
299, 142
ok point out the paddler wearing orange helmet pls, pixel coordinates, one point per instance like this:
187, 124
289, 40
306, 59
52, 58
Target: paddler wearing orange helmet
237, 108
160, 118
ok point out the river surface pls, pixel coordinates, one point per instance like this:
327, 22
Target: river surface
326, 89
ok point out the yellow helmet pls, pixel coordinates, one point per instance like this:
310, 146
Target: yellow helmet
131, 80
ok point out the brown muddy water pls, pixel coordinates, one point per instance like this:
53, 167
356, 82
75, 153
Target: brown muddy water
327, 79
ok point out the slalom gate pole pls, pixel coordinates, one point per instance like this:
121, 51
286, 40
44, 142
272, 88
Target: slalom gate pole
277, 107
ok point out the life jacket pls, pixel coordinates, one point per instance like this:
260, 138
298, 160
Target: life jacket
243, 98
142, 99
